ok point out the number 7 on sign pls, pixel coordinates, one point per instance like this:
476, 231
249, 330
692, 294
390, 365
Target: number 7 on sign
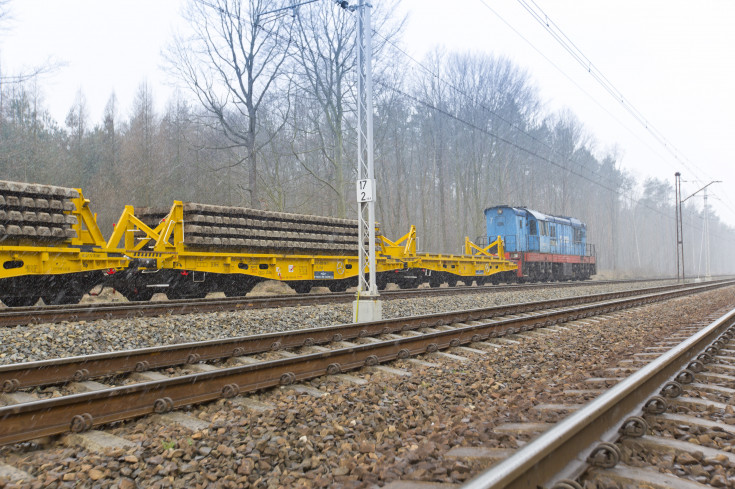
366, 190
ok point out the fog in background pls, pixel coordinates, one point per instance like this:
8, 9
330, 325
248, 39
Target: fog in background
264, 117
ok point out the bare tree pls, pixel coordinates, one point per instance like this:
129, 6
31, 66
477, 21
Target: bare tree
140, 166
325, 75
434, 92
4, 10
76, 123
28, 75
325, 55
234, 58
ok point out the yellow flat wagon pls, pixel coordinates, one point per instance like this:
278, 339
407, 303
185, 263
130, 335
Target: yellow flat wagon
50, 245
193, 249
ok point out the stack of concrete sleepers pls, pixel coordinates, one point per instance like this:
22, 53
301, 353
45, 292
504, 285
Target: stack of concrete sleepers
151, 217
214, 226
37, 212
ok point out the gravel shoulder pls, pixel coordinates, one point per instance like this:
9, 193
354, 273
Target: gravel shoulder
46, 341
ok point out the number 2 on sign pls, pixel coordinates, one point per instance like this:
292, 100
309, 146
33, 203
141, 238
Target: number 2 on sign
365, 190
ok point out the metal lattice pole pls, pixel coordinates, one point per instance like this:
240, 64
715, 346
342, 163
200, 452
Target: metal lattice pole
708, 272
366, 175
680, 238
679, 229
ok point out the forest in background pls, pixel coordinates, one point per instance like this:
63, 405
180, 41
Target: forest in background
273, 126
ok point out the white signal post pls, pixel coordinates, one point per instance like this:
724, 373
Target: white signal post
367, 306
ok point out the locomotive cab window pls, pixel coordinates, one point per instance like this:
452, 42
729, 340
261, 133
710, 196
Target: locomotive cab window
544, 228
532, 228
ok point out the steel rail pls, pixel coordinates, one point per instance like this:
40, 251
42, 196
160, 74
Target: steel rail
17, 316
80, 412
568, 444
79, 368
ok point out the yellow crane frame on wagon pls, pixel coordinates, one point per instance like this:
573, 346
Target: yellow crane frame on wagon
475, 262
164, 246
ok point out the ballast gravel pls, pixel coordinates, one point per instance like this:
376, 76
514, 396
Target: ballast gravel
391, 428
47, 341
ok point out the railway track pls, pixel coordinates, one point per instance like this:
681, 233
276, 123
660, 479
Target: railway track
380, 343
56, 371
17, 316
670, 424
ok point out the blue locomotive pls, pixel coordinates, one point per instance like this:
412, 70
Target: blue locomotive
545, 247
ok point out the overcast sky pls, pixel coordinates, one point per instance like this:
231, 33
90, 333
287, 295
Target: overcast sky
671, 59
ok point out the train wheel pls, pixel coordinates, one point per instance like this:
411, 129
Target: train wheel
20, 301
452, 282
338, 286
239, 289
173, 294
408, 284
71, 293
303, 288
140, 295
60, 299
